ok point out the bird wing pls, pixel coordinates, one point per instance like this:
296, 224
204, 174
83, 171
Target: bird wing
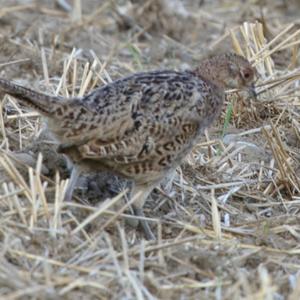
129, 116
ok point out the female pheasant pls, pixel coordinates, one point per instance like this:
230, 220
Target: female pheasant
142, 126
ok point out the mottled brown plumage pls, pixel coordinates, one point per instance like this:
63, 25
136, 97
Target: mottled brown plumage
142, 126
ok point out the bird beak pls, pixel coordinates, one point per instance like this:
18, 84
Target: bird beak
252, 92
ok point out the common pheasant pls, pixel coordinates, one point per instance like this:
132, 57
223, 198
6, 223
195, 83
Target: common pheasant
142, 126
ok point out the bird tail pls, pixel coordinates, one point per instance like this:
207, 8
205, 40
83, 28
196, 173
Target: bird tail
43, 103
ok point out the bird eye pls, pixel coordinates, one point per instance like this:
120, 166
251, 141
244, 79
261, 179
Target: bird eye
246, 75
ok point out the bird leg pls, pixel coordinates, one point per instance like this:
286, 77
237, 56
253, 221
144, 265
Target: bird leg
72, 183
138, 207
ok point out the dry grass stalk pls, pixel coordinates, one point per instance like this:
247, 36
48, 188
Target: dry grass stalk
239, 241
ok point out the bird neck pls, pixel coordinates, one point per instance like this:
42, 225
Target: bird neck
207, 71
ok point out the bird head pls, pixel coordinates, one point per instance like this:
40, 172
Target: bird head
229, 71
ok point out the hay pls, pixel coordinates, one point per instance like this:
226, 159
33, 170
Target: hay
228, 223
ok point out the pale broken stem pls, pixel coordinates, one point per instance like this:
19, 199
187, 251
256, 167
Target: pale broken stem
34, 206
266, 46
84, 79
60, 190
283, 43
44, 58
15, 175
72, 184
3, 130
13, 62
40, 187
77, 11
17, 204
215, 216
64, 5
74, 77
103, 66
66, 70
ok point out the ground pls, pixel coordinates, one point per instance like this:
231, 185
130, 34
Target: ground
228, 220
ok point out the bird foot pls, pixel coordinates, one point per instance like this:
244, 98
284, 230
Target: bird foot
149, 235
